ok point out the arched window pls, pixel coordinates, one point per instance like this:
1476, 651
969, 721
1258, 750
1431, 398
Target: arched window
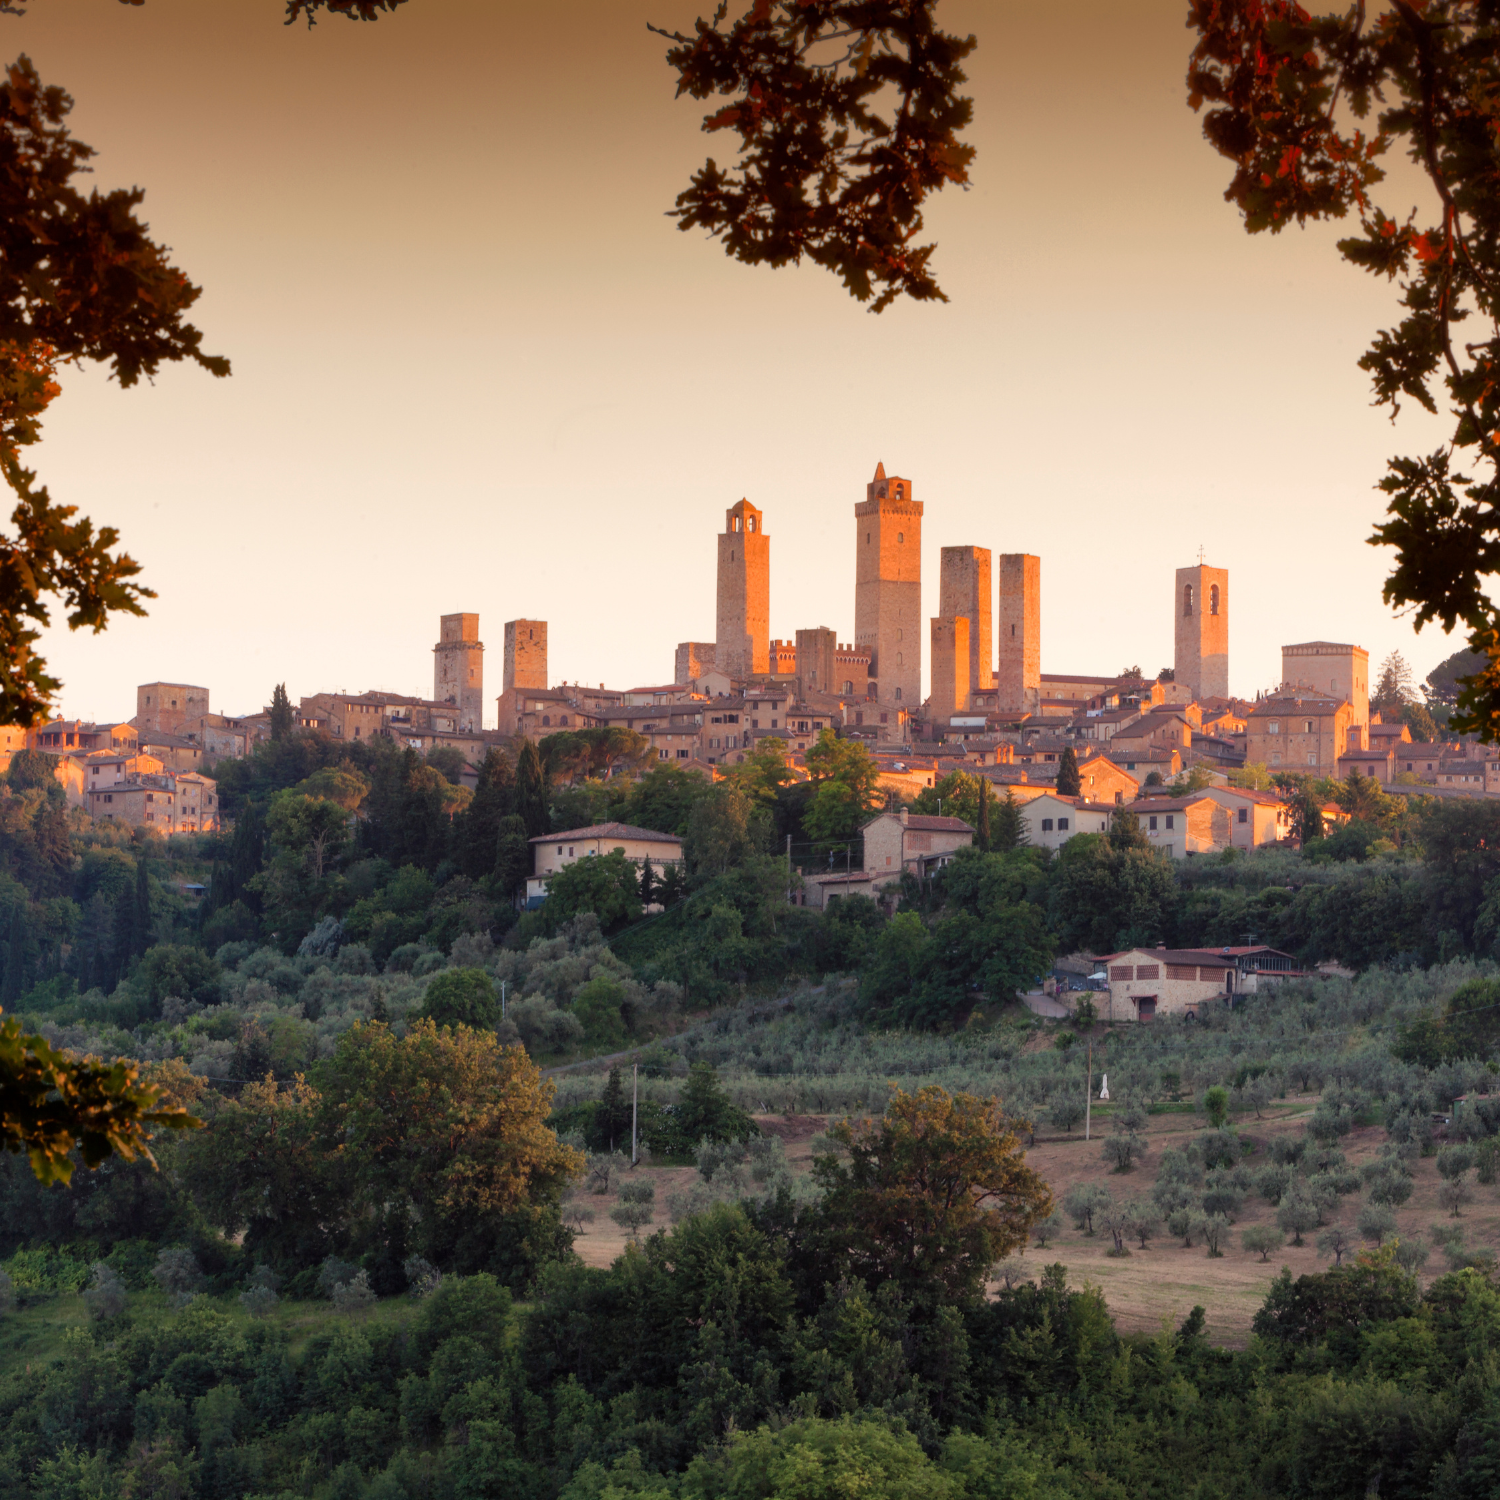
1213, 599
735, 524
898, 690
900, 538
749, 523
1187, 599
898, 659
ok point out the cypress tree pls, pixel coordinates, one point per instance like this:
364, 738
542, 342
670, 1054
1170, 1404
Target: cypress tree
984, 814
531, 791
54, 849
281, 713
1069, 783
611, 1123
648, 887
13, 985
512, 857
1010, 828
479, 825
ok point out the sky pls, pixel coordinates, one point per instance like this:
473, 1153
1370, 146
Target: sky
477, 368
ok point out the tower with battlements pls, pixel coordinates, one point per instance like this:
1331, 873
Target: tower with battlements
888, 588
458, 669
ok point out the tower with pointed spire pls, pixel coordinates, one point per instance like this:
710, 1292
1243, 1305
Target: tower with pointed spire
888, 588
742, 642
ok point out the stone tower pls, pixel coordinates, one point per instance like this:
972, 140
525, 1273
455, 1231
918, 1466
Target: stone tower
951, 666
742, 644
1201, 606
458, 669
1018, 672
525, 665
815, 660
888, 588
1341, 671
964, 589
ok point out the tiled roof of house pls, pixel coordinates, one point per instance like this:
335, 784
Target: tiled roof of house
609, 831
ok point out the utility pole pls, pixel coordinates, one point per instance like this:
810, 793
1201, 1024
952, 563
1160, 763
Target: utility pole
502, 999
1088, 1091
635, 1105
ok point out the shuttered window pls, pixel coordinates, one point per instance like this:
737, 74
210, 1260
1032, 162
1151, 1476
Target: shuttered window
1148, 971
1182, 971
1119, 971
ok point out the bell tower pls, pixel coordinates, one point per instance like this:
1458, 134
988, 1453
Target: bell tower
888, 588
1201, 606
742, 643
458, 669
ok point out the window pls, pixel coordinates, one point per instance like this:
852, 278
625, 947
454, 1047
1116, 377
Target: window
1213, 600
1062, 825
1244, 815
898, 690
546, 719
1274, 727
749, 523
1046, 825
570, 851
900, 538
1152, 822
867, 538
1312, 757
1171, 820
563, 720
1187, 600
559, 848
1307, 726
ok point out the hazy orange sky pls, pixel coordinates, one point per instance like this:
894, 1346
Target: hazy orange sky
476, 368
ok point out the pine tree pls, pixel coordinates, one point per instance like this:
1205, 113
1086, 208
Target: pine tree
1069, 783
531, 791
1010, 828
281, 713
984, 814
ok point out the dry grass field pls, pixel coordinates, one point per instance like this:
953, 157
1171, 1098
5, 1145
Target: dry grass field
1163, 1282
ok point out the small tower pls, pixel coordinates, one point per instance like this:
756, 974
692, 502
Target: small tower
1018, 674
888, 588
950, 668
458, 669
742, 644
1201, 607
964, 589
815, 660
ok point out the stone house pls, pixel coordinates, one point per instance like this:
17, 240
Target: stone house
1166, 761
1104, 724
167, 706
1301, 732
1052, 819
1255, 818
1379, 764
197, 805
1179, 826
58, 736
142, 802
174, 751
900, 840
1101, 780
1149, 982
551, 852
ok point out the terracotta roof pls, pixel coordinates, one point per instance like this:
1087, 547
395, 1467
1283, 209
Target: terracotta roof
609, 831
1201, 956
1167, 804
924, 823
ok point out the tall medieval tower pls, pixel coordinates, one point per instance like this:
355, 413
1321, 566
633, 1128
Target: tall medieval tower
525, 662
742, 643
1201, 605
964, 591
888, 588
458, 669
1018, 671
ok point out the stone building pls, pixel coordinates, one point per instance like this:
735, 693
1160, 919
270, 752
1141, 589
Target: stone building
168, 706
1201, 660
523, 670
1051, 819
888, 587
852, 669
1178, 826
964, 590
782, 657
551, 852
902, 840
952, 661
743, 626
1018, 660
1305, 732
458, 669
1337, 671
693, 659
815, 661
142, 802
175, 751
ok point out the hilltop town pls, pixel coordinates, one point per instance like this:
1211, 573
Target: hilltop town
1198, 765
